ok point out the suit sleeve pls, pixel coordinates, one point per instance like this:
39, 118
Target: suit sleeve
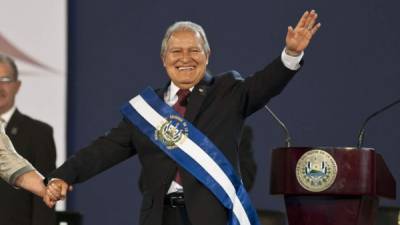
45, 159
105, 152
265, 84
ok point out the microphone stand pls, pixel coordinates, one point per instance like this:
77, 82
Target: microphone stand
362, 130
288, 139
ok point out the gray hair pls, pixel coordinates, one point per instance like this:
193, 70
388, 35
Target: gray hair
184, 26
6, 60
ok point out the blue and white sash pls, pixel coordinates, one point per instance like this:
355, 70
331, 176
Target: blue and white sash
192, 150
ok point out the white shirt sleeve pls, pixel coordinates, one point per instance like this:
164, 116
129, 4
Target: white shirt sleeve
291, 62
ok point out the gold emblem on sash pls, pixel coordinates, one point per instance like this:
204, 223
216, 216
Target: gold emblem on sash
316, 170
174, 130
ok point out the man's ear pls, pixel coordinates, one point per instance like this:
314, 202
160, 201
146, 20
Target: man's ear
162, 60
18, 83
208, 57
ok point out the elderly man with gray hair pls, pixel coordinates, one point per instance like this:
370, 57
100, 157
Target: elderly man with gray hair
186, 134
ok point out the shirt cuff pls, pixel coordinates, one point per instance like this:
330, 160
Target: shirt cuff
291, 62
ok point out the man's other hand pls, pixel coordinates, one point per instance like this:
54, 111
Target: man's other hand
56, 190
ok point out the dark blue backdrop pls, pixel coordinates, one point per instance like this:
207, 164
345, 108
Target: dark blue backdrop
351, 69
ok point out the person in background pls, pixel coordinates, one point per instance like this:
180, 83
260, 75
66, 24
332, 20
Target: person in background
33, 140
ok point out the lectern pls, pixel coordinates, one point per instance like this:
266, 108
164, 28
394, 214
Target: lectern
329, 185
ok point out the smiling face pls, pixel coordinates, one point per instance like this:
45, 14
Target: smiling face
185, 59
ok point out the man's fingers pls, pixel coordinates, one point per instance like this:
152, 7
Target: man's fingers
310, 24
59, 188
302, 20
310, 21
64, 189
54, 191
52, 194
315, 28
307, 21
290, 32
48, 201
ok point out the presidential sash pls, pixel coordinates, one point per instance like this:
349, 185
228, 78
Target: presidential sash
192, 150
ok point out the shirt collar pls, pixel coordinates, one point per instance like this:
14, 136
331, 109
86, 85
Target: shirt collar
173, 89
7, 115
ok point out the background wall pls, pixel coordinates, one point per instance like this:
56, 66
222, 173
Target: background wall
34, 34
351, 69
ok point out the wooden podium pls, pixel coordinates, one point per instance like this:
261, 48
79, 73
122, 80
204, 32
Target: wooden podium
351, 198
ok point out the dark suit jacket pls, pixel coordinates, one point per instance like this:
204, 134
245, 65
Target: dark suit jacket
218, 107
247, 163
34, 141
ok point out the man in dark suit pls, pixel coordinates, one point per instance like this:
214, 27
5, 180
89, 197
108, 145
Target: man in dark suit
33, 140
217, 106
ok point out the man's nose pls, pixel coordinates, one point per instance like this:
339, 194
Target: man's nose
185, 57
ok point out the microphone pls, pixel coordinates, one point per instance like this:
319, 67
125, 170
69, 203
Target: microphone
362, 130
288, 139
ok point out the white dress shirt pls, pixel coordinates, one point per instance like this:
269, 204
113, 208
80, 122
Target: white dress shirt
7, 116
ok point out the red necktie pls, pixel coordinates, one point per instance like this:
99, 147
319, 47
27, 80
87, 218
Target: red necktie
180, 107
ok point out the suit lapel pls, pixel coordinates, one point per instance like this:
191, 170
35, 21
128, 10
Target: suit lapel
196, 98
12, 126
161, 91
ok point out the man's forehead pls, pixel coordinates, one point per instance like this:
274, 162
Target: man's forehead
175, 40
